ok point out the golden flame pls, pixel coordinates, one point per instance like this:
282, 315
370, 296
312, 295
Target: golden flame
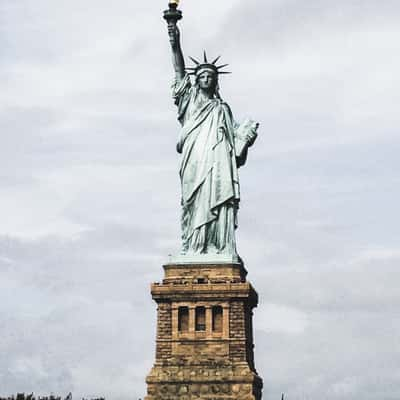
174, 2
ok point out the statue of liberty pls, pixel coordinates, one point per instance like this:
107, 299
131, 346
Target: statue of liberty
213, 147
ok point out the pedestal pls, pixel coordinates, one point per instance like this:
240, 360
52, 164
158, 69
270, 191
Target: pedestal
204, 344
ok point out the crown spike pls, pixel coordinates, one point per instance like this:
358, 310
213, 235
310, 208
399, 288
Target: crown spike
200, 66
216, 60
195, 61
222, 66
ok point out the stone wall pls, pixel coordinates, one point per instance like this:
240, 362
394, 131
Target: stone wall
200, 361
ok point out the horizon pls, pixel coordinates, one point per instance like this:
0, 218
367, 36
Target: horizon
90, 192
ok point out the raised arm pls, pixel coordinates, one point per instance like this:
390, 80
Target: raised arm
177, 55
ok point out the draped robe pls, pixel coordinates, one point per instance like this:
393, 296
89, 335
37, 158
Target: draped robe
208, 172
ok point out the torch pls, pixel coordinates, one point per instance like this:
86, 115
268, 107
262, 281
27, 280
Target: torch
172, 15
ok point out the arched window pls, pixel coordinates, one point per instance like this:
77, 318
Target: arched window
217, 319
183, 319
200, 318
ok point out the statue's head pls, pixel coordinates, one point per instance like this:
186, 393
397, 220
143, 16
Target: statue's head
206, 73
207, 80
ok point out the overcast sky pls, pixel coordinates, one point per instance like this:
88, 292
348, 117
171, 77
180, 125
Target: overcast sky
89, 189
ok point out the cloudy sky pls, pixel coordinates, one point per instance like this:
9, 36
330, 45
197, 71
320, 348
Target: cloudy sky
89, 189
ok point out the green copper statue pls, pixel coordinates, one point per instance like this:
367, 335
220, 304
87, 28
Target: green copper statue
213, 147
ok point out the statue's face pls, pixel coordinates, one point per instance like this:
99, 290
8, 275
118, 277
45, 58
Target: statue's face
207, 81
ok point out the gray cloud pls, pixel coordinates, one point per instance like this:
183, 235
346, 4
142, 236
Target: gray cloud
89, 193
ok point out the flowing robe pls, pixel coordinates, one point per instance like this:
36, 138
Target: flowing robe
208, 172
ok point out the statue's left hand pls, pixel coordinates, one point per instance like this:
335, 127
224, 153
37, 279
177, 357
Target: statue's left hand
251, 135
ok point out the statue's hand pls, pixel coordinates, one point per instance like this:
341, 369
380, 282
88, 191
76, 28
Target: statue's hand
174, 35
251, 135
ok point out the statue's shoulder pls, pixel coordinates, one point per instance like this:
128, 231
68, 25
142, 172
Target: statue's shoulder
183, 83
182, 89
225, 106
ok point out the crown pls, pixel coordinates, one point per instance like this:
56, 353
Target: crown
206, 66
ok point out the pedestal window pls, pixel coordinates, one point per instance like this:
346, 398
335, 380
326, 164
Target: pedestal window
217, 319
200, 318
183, 319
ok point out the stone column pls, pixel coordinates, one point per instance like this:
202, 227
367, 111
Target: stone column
209, 321
192, 319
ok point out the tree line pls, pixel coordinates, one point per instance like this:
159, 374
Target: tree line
23, 396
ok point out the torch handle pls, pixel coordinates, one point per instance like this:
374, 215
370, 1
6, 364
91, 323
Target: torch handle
172, 15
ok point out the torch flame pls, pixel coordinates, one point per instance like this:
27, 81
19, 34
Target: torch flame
174, 2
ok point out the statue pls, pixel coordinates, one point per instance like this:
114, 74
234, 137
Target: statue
213, 147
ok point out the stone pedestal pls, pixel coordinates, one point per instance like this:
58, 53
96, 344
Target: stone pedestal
204, 345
